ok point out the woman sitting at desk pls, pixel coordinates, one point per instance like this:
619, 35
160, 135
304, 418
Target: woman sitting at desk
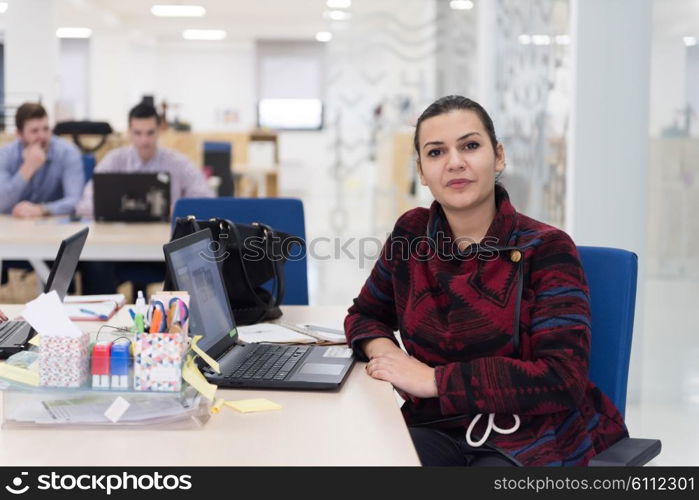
493, 310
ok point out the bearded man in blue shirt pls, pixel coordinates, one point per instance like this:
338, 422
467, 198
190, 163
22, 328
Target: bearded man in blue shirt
40, 174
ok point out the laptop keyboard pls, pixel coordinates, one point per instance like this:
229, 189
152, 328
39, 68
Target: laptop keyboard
269, 362
8, 328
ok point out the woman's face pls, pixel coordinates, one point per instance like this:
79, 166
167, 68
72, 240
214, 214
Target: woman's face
457, 161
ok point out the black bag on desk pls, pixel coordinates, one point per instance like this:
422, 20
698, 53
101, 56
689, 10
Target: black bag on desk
255, 254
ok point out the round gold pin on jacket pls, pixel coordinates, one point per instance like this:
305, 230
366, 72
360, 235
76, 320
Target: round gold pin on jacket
515, 255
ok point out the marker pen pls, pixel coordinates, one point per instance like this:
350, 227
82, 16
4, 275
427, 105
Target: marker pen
100, 366
120, 365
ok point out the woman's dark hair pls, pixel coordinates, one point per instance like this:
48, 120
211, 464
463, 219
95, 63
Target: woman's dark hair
454, 103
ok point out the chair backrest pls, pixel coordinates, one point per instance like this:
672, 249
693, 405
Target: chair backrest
89, 162
218, 156
283, 214
611, 275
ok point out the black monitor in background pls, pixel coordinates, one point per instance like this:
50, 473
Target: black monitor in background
148, 99
66, 263
218, 156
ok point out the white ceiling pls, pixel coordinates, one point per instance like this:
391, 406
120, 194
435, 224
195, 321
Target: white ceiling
243, 19
283, 19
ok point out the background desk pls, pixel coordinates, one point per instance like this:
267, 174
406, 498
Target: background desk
39, 239
359, 425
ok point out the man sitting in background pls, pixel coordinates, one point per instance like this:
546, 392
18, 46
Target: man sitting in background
144, 156
40, 174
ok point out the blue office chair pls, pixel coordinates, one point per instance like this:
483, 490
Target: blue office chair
612, 275
89, 162
283, 214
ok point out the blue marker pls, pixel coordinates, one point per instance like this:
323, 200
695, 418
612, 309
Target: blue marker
119, 362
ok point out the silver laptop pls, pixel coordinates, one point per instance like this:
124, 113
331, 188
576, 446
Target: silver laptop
196, 269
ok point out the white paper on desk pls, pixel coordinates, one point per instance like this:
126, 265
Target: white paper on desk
270, 332
48, 317
77, 311
330, 332
117, 298
91, 409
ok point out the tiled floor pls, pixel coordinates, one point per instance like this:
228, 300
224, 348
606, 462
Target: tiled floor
664, 381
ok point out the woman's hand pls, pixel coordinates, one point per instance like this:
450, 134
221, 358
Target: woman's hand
2, 317
404, 372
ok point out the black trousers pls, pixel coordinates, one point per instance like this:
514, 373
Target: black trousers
437, 448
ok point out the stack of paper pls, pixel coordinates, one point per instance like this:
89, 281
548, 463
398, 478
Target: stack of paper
95, 409
270, 332
93, 307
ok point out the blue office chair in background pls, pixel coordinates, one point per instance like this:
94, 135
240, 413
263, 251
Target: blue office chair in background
89, 163
612, 275
282, 214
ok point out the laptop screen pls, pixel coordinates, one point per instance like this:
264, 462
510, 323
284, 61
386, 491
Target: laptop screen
66, 263
194, 268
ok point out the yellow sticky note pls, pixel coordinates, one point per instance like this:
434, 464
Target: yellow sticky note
216, 408
250, 405
35, 340
18, 374
208, 359
191, 373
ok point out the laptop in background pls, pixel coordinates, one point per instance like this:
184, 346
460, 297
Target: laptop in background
136, 197
196, 269
15, 334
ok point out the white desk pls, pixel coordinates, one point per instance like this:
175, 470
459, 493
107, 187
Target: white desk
359, 425
39, 239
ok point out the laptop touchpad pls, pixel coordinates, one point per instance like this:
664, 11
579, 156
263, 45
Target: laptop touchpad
321, 369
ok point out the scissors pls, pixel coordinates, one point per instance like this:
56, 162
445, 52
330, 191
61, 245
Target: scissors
156, 317
178, 314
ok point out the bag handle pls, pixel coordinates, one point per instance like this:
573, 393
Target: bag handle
277, 268
274, 301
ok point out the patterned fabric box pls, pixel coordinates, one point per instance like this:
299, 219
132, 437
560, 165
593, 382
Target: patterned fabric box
158, 361
64, 361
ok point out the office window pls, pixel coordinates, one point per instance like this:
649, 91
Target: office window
290, 93
74, 92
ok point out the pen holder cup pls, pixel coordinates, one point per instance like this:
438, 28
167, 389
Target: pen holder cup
158, 359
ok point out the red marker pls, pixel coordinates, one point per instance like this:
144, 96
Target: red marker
100, 365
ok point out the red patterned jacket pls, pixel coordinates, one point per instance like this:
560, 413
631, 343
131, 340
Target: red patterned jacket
456, 311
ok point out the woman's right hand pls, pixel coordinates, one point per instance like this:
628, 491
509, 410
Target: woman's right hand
2, 317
